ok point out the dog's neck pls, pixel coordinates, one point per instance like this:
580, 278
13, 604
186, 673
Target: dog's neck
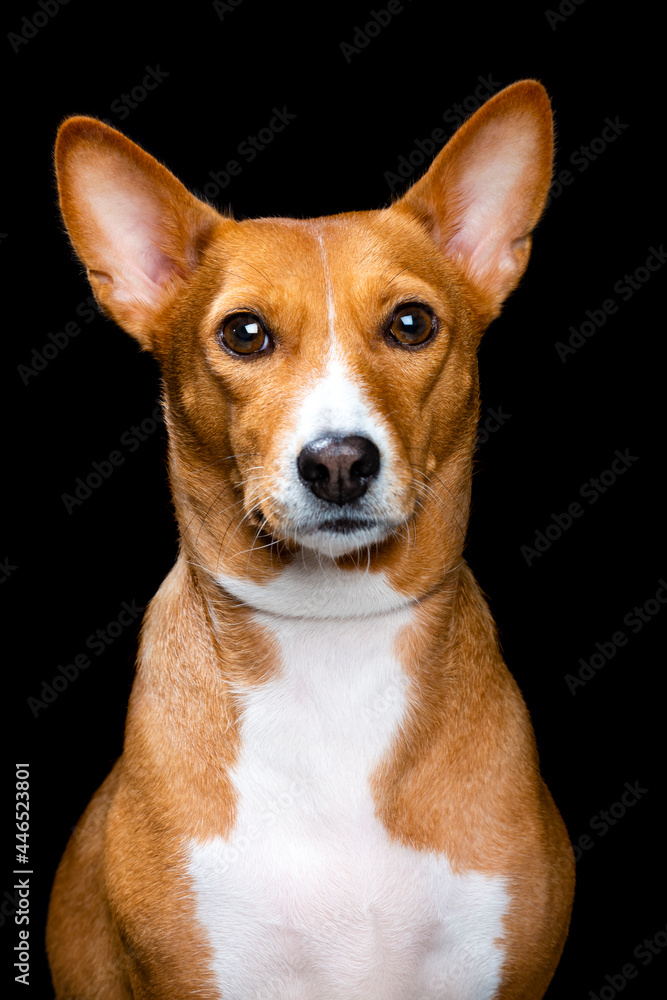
313, 588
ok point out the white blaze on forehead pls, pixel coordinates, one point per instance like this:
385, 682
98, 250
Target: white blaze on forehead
336, 405
331, 311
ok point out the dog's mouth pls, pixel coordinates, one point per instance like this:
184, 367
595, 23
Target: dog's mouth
341, 526
346, 525
326, 533
338, 536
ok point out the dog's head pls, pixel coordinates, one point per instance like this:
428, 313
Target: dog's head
320, 375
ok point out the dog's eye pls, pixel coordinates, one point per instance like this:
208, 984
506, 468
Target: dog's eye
244, 334
411, 325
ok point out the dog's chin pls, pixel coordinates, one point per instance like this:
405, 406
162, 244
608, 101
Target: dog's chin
341, 536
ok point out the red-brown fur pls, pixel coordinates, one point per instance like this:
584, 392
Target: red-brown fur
121, 924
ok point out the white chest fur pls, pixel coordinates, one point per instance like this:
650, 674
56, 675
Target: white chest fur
309, 898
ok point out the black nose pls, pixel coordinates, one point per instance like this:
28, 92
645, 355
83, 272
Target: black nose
338, 468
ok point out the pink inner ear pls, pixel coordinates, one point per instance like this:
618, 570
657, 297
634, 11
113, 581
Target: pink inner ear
126, 223
492, 185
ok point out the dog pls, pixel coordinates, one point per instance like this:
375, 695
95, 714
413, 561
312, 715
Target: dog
329, 786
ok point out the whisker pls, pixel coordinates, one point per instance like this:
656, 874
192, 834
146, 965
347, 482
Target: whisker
426, 487
456, 501
442, 548
227, 458
203, 519
243, 519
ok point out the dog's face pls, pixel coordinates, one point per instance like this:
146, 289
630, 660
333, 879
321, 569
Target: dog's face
320, 375
336, 363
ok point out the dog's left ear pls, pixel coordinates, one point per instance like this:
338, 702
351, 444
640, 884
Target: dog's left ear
485, 191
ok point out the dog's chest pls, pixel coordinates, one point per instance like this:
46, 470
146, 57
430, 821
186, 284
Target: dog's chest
309, 898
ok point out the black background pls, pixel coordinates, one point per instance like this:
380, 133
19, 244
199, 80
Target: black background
67, 574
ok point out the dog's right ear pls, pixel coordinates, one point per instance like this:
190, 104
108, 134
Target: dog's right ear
136, 228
